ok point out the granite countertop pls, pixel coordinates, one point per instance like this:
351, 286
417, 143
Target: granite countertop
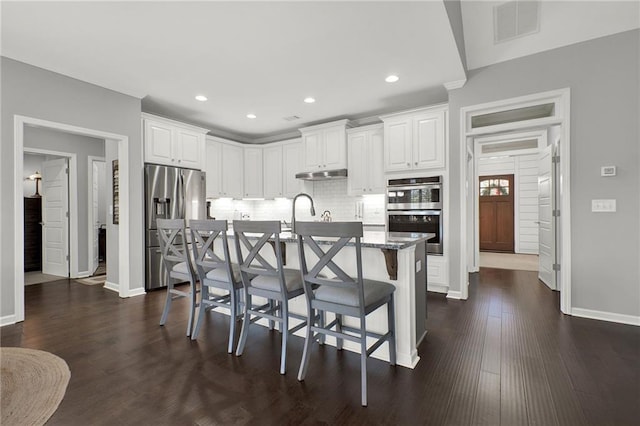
372, 239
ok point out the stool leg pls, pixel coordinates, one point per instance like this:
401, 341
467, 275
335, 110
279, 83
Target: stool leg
363, 362
245, 325
167, 303
308, 340
284, 329
339, 330
204, 295
233, 317
392, 329
192, 307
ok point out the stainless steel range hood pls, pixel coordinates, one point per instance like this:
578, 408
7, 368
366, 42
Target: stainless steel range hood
323, 175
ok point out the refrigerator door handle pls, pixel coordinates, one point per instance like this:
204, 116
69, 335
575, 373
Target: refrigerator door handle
183, 196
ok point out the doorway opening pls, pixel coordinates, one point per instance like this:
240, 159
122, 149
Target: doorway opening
46, 217
120, 145
524, 155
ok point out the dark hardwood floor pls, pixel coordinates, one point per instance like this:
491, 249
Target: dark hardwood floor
506, 356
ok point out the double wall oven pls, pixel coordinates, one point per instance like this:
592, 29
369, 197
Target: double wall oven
415, 205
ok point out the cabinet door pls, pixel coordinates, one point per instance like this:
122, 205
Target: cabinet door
397, 145
188, 149
232, 171
158, 141
428, 141
357, 174
334, 149
272, 172
292, 157
213, 168
376, 182
312, 143
253, 173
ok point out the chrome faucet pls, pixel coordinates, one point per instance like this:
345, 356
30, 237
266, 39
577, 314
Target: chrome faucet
293, 210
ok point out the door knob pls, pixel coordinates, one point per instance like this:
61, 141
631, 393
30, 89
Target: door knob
416, 163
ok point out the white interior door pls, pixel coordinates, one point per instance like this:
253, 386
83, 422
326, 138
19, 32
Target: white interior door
94, 214
546, 228
55, 217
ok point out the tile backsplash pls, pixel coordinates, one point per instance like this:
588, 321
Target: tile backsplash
327, 195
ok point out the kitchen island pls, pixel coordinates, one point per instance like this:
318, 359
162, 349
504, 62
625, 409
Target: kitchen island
396, 258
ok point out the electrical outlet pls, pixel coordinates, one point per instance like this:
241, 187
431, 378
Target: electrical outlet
603, 206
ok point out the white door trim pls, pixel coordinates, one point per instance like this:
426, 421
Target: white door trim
561, 99
19, 122
90, 160
73, 205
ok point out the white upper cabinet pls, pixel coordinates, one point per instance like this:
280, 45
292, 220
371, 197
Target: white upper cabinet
172, 143
292, 164
224, 165
272, 171
366, 160
253, 177
325, 146
232, 171
415, 140
213, 167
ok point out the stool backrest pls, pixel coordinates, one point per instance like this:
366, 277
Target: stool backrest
204, 234
248, 249
173, 243
308, 234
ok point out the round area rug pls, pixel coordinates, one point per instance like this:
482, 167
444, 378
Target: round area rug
32, 384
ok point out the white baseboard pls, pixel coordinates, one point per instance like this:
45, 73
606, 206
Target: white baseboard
8, 320
137, 292
82, 274
454, 295
112, 286
606, 316
438, 288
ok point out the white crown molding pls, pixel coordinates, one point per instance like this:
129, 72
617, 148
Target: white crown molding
457, 84
606, 316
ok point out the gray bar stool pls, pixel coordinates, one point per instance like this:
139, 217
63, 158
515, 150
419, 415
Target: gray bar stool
215, 271
175, 257
261, 279
342, 295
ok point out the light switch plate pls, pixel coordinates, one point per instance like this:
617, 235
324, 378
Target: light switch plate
608, 171
603, 206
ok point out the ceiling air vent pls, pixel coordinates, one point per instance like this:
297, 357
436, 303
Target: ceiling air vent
515, 19
291, 118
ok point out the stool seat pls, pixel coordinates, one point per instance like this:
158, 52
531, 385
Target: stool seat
374, 291
181, 268
292, 280
219, 274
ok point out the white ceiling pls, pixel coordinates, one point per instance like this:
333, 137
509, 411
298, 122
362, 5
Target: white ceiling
266, 57
561, 23
260, 57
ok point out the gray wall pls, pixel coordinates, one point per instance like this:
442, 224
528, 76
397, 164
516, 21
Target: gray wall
38, 93
603, 76
83, 147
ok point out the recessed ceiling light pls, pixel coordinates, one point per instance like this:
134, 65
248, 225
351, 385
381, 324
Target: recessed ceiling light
392, 79
309, 100
252, 116
201, 98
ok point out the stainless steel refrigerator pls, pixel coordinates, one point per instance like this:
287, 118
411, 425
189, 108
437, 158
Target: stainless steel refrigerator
170, 193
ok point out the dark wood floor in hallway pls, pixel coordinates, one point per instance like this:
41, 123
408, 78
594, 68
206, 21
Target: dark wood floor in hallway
504, 357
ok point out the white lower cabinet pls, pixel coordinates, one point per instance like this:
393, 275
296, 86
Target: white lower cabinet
224, 167
253, 177
366, 160
437, 273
